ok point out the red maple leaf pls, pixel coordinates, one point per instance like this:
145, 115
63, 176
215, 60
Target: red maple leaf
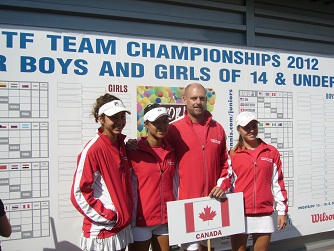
208, 214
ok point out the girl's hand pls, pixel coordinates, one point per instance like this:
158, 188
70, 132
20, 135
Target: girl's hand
217, 192
281, 222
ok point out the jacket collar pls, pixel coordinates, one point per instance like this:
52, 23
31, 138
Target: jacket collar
143, 145
262, 146
207, 117
120, 137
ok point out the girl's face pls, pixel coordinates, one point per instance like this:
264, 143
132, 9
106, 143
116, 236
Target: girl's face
113, 125
249, 132
158, 128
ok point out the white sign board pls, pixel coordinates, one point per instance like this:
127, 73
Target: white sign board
205, 218
50, 79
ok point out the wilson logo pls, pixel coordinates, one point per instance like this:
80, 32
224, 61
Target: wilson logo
316, 218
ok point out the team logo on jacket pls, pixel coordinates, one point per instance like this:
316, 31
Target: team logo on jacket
170, 162
266, 159
216, 141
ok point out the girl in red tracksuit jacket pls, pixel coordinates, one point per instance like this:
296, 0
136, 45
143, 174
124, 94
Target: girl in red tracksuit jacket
256, 169
101, 189
153, 165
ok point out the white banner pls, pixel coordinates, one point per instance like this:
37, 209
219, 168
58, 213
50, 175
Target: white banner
49, 80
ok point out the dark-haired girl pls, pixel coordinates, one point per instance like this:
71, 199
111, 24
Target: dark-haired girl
153, 165
101, 189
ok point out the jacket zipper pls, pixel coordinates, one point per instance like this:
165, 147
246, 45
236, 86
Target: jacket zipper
255, 178
204, 159
161, 193
161, 171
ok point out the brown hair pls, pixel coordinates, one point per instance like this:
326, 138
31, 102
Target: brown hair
100, 101
239, 144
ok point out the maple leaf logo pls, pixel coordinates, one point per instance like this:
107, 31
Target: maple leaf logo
208, 214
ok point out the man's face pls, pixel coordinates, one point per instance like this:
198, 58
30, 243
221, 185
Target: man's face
195, 100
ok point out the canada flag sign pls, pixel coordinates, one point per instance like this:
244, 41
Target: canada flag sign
205, 218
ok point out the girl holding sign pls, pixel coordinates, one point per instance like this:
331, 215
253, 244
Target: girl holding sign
153, 165
257, 172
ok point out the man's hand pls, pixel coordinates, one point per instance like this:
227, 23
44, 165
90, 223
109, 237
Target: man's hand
217, 192
131, 144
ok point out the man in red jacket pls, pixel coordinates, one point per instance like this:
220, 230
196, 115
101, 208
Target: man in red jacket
200, 146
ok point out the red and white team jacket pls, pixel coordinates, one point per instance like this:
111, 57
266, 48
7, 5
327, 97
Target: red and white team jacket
101, 189
260, 179
200, 164
152, 182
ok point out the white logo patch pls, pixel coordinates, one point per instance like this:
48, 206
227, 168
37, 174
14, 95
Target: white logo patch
215, 141
266, 159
